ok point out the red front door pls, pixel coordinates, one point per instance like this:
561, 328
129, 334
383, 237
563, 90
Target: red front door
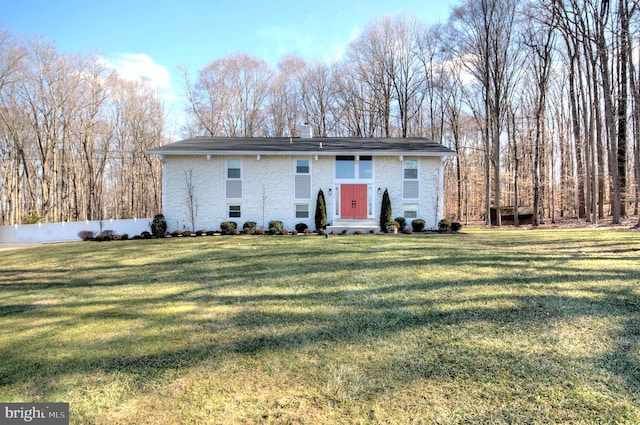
353, 201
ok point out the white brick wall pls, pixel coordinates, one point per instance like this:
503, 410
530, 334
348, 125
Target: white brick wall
268, 189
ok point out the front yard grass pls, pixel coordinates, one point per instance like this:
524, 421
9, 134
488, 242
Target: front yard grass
486, 326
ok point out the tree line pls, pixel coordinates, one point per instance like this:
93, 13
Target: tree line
540, 100
73, 137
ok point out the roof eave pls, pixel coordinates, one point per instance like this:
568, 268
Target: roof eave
297, 153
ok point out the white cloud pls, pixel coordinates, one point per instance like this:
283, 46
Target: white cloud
139, 66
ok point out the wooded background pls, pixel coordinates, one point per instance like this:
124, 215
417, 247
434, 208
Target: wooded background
540, 99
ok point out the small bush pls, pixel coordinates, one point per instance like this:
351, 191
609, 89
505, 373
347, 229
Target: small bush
32, 218
124, 237
176, 233
283, 232
259, 231
187, 233
85, 235
444, 225
301, 227
249, 227
372, 231
210, 232
276, 224
234, 232
402, 223
455, 226
228, 226
358, 232
201, 232
408, 231
418, 225
392, 227
145, 235
158, 225
345, 231
308, 231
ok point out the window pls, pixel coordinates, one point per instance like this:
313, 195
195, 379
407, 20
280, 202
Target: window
345, 167
365, 167
234, 211
302, 183
234, 179
410, 183
302, 166
302, 210
410, 169
410, 211
234, 169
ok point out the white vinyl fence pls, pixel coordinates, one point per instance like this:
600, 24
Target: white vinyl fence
54, 232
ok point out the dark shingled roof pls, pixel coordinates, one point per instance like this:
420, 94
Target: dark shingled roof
302, 146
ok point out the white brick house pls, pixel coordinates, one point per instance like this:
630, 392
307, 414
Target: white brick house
264, 179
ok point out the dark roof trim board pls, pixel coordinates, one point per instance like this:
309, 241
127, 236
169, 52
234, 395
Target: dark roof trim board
322, 146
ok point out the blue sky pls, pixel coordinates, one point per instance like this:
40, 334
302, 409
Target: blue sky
150, 39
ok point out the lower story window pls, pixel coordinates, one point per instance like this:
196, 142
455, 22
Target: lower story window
410, 211
234, 211
302, 211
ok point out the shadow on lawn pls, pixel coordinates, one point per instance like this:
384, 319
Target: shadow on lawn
321, 312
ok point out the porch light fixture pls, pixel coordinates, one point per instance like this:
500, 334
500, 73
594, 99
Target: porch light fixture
379, 191
330, 191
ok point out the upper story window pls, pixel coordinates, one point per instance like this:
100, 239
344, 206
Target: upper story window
365, 167
234, 169
410, 169
345, 167
302, 166
352, 167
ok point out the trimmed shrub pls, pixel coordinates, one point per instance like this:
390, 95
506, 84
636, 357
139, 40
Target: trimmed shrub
284, 232
402, 223
228, 226
358, 232
321, 211
259, 231
385, 210
187, 233
275, 226
158, 225
408, 231
201, 232
301, 227
456, 226
124, 237
308, 231
176, 233
249, 227
345, 231
444, 225
418, 225
145, 235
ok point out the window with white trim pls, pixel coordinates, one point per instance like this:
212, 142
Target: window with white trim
234, 179
410, 182
302, 183
410, 211
235, 211
302, 210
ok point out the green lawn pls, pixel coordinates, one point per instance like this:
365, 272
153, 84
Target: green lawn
482, 327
